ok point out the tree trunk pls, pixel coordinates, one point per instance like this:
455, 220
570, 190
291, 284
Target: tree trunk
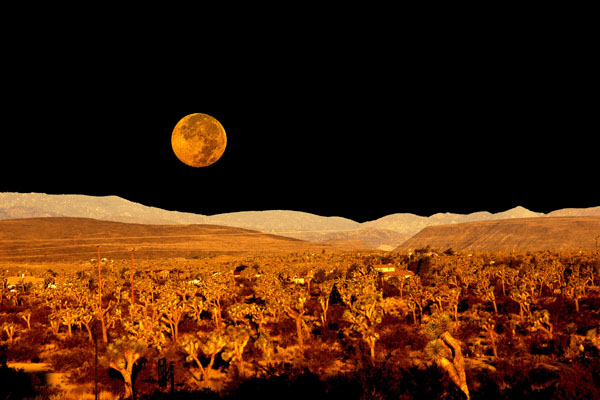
371, 342
208, 369
202, 371
104, 333
324, 307
299, 332
493, 342
456, 368
521, 312
128, 386
89, 331
126, 374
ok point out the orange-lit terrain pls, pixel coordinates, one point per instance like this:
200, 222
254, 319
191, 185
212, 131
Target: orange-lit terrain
55, 239
549, 233
242, 314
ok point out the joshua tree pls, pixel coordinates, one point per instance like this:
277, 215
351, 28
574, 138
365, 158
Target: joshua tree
419, 296
237, 339
85, 318
293, 304
26, 315
173, 311
192, 344
507, 276
575, 288
68, 317
54, 323
215, 289
101, 315
521, 295
146, 329
485, 289
412, 305
267, 288
541, 321
447, 354
239, 312
261, 315
489, 326
265, 345
122, 354
325, 287
10, 329
364, 315
195, 305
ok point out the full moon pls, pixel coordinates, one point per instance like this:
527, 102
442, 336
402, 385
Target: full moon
198, 140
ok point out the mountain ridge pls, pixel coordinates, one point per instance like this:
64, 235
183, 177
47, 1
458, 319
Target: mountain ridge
385, 233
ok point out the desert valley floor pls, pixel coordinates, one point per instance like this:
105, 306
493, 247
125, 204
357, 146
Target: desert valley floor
241, 313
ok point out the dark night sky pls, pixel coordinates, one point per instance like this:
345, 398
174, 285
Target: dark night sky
358, 125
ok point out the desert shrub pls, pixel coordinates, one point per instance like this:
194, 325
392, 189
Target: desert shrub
577, 381
352, 270
320, 276
22, 350
392, 337
66, 360
319, 355
526, 379
539, 344
39, 315
78, 340
424, 267
389, 289
6, 307
337, 273
38, 335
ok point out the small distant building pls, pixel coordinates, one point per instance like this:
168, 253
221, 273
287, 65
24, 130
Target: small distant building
384, 268
391, 271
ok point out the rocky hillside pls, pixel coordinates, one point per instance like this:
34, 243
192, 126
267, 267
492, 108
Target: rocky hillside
550, 233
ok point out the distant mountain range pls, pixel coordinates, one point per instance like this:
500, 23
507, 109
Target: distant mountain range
384, 233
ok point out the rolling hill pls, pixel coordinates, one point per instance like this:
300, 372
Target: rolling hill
62, 238
384, 233
550, 233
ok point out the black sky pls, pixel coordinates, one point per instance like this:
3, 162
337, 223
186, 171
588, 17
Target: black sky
354, 124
